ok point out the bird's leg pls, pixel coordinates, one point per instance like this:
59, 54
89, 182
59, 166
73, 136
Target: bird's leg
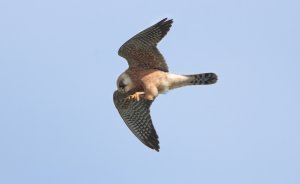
151, 92
149, 96
136, 96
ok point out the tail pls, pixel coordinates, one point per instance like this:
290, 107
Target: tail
177, 81
203, 79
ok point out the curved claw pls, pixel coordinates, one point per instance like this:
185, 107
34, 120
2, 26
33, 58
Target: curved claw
136, 96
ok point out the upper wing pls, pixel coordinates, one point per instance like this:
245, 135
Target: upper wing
140, 51
136, 115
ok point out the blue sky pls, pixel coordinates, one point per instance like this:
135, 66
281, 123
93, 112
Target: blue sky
59, 64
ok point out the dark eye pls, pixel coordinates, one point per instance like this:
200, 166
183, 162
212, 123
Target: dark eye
121, 84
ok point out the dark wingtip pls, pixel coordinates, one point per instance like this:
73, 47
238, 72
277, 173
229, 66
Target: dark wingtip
164, 25
156, 147
153, 143
165, 21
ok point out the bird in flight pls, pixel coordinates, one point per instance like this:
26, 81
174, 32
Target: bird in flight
146, 77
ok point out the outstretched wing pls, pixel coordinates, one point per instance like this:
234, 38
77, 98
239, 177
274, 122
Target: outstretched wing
136, 115
141, 51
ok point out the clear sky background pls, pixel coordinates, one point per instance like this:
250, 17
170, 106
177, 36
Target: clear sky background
58, 70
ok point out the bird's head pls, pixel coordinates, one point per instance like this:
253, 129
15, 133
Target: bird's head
124, 83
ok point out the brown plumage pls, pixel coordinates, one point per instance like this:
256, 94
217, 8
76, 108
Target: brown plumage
140, 51
146, 77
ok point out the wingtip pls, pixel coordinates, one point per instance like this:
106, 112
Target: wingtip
166, 21
156, 147
164, 25
153, 143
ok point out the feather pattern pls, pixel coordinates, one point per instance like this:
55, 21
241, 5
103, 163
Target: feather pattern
141, 51
136, 115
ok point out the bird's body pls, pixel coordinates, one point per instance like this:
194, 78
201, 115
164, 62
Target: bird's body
147, 77
154, 82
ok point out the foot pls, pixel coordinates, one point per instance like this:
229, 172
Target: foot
136, 96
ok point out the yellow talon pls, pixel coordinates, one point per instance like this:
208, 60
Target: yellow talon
136, 96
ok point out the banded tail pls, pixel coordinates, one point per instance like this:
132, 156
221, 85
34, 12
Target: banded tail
177, 81
203, 78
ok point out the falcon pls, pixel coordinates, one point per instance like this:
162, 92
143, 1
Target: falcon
146, 77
